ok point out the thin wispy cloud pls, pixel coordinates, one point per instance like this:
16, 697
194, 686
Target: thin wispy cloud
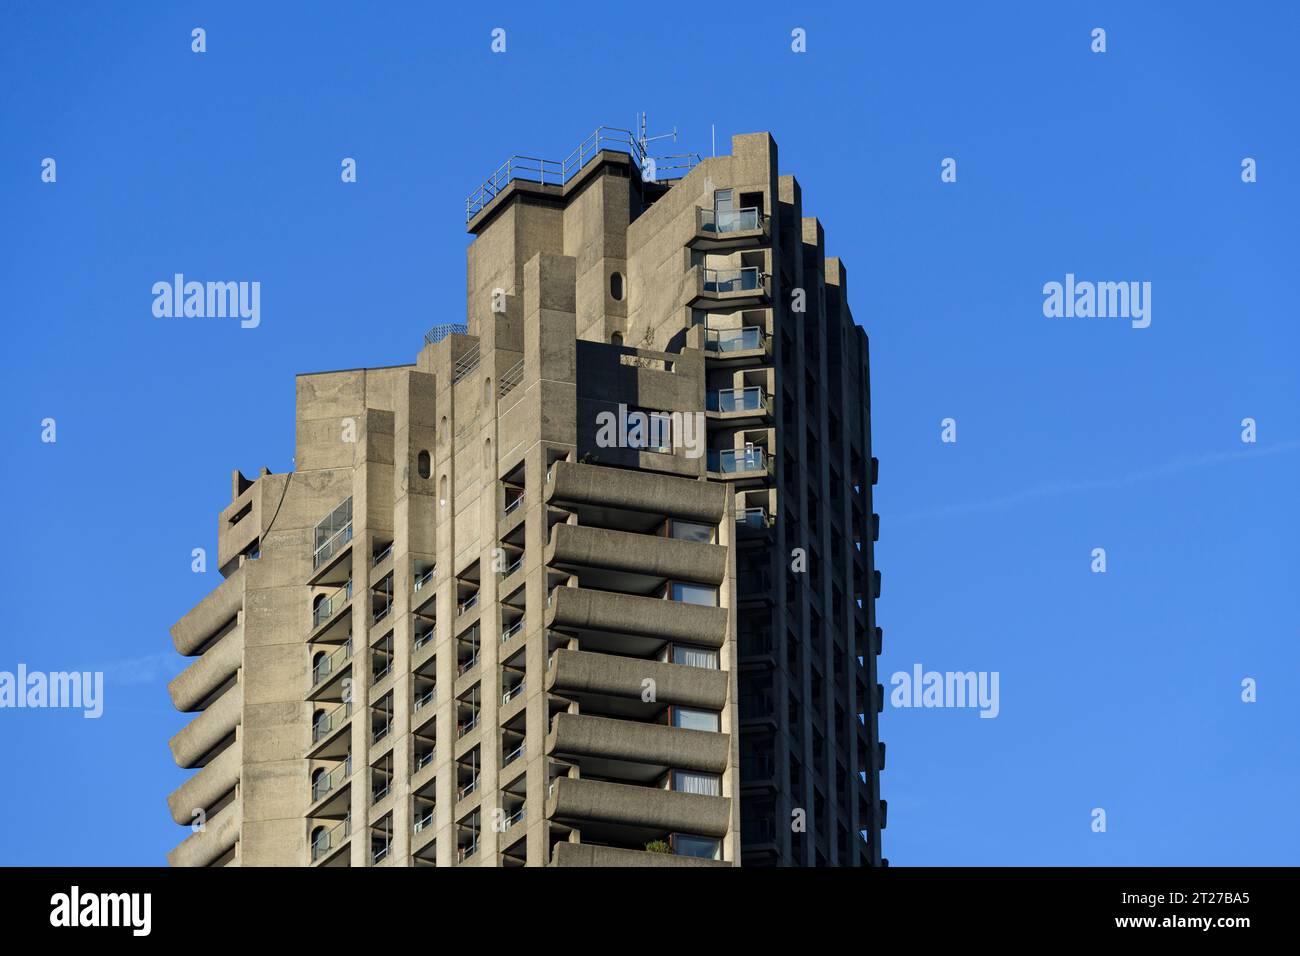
1054, 489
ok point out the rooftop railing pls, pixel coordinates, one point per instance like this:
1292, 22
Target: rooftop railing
558, 172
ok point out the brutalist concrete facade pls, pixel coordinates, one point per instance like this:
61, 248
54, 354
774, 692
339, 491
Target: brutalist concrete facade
469, 629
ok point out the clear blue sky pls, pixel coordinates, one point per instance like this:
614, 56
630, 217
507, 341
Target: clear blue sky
1118, 690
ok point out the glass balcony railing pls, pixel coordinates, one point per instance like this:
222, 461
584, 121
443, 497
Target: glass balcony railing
328, 665
513, 756
426, 698
422, 639
467, 666
751, 399
464, 727
331, 839
513, 566
324, 610
733, 340
731, 280
753, 519
424, 820
330, 721
424, 579
465, 852
731, 461
512, 502
510, 630
722, 221
328, 782
332, 533
516, 817
424, 758
512, 693
468, 604
469, 788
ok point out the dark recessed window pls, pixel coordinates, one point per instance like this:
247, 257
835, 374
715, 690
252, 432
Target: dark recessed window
422, 464
616, 286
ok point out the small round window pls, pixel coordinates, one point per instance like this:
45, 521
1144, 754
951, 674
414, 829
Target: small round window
616, 286
422, 464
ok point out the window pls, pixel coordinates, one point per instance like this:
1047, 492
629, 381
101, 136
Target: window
616, 286
693, 593
422, 464
706, 848
616, 339
690, 531
705, 657
688, 781
688, 718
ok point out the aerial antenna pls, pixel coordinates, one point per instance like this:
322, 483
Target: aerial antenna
643, 140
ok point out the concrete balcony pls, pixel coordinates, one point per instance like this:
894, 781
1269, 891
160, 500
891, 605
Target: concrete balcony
728, 290
735, 348
747, 465
570, 483
205, 731
217, 838
207, 786
645, 621
584, 854
642, 809
580, 672
627, 741
193, 686
739, 407
210, 615
730, 229
624, 560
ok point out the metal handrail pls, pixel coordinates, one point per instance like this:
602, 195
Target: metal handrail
559, 172
465, 364
327, 723
744, 339
722, 221
737, 460
324, 842
744, 279
324, 668
511, 630
752, 398
326, 550
510, 378
331, 780
323, 611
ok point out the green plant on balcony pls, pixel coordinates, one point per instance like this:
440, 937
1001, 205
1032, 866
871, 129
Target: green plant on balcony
658, 846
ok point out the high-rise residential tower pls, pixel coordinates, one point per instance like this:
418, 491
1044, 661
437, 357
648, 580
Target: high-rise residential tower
589, 582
